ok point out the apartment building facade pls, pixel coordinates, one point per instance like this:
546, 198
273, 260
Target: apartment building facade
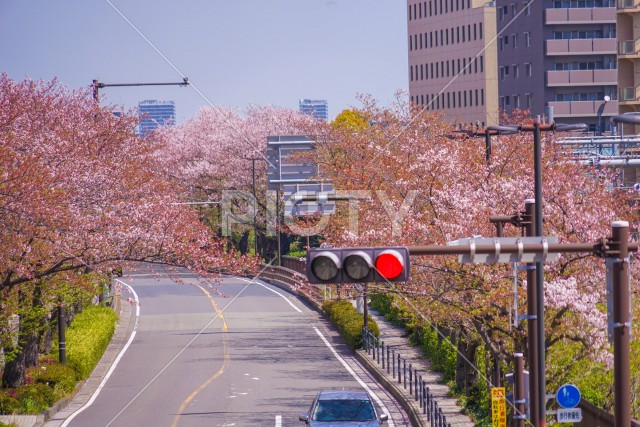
452, 60
628, 28
560, 54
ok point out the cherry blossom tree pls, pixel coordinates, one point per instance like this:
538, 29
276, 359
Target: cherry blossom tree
212, 153
411, 157
80, 191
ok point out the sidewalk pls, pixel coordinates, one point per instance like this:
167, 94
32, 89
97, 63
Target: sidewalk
395, 338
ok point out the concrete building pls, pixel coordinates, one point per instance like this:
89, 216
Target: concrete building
628, 24
317, 108
452, 59
154, 113
562, 54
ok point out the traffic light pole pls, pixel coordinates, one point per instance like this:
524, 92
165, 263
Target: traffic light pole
621, 324
532, 324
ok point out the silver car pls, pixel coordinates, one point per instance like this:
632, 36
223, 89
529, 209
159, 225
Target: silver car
343, 408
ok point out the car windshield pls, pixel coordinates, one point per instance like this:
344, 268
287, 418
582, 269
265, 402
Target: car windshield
343, 410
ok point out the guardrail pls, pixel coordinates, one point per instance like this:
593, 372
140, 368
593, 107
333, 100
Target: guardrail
407, 376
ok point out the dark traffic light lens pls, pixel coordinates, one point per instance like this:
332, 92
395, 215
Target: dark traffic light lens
356, 267
324, 268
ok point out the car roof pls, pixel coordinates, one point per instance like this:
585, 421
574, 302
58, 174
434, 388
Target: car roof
343, 394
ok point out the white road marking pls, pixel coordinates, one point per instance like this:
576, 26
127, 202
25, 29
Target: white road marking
278, 420
272, 290
115, 362
335, 353
357, 378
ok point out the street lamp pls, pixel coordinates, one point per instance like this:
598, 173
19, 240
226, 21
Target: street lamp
96, 85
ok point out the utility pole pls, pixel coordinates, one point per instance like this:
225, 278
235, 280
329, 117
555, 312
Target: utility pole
621, 324
97, 85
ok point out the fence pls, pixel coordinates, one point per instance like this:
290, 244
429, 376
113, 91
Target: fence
406, 375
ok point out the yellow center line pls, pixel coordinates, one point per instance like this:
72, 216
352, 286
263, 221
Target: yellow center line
226, 358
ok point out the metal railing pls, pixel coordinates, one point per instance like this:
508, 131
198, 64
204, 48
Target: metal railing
406, 375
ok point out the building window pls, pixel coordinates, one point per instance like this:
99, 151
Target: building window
527, 39
516, 101
529, 101
481, 64
507, 101
480, 30
514, 40
513, 9
475, 65
421, 72
476, 97
527, 11
503, 12
528, 69
516, 71
475, 32
481, 96
464, 65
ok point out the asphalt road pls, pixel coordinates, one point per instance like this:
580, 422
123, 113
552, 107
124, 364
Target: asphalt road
240, 354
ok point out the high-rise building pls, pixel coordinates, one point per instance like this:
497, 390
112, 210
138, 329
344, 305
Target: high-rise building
560, 54
317, 108
452, 59
154, 113
528, 56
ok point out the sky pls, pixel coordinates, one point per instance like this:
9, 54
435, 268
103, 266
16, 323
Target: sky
236, 53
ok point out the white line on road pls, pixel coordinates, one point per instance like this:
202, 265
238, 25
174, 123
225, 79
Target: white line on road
278, 420
352, 372
115, 362
274, 291
335, 353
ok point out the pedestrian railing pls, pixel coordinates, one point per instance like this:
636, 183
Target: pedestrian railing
406, 375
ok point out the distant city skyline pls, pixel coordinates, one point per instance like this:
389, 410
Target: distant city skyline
235, 54
154, 113
317, 108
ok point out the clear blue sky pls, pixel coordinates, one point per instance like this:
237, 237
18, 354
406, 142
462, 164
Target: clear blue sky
235, 52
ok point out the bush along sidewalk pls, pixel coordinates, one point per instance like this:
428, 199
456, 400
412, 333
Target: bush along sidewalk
442, 355
87, 338
349, 322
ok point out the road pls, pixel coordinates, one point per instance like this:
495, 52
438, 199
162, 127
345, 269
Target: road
242, 353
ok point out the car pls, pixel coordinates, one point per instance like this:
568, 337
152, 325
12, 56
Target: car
343, 408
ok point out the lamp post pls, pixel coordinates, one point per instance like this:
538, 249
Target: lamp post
537, 387
97, 85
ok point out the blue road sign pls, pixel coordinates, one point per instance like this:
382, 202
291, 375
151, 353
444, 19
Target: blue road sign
568, 396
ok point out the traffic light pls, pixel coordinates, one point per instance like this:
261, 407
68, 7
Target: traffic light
358, 265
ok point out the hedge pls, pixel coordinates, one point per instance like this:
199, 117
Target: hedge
88, 337
349, 322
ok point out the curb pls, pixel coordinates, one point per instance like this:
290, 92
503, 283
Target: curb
416, 417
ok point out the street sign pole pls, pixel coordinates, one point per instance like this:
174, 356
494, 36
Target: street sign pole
621, 324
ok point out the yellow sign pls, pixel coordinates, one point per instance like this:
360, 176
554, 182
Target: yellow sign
498, 407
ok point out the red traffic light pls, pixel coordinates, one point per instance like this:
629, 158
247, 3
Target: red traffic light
390, 264
358, 265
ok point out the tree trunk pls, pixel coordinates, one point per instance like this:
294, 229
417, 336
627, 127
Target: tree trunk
466, 375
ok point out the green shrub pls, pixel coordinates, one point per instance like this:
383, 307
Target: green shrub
88, 337
35, 397
348, 321
62, 379
8, 402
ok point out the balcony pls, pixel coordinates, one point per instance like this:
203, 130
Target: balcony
582, 77
583, 108
629, 95
595, 15
581, 47
629, 48
625, 6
